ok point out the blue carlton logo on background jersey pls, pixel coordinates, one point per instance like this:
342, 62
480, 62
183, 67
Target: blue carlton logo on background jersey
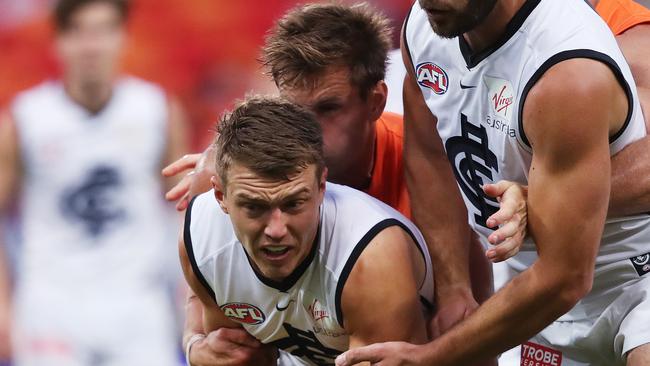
90, 203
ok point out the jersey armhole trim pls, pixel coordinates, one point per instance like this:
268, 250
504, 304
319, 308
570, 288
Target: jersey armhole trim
567, 55
356, 253
405, 41
187, 238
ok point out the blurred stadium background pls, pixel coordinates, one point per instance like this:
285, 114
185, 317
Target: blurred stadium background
202, 51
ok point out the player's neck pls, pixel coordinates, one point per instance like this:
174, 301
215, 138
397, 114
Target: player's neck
493, 26
91, 96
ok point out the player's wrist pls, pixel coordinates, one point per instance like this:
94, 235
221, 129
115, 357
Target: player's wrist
192, 343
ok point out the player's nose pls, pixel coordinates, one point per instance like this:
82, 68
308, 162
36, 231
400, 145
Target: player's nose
276, 227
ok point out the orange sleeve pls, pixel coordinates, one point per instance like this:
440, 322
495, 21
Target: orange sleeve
621, 15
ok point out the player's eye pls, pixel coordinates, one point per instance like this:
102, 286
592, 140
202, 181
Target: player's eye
293, 205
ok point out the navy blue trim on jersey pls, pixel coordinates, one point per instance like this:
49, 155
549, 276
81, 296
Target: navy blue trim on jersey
571, 54
404, 41
187, 238
473, 59
289, 281
356, 253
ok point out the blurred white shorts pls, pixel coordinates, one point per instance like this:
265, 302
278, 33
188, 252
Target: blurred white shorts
75, 328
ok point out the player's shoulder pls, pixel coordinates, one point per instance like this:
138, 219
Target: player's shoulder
206, 223
39, 94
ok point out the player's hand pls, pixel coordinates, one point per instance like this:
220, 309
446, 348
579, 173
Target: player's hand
511, 219
232, 347
384, 354
197, 180
456, 306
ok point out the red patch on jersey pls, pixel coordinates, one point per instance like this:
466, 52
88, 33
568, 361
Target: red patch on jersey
243, 313
536, 355
433, 77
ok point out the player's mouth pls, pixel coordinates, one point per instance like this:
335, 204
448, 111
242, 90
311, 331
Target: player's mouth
276, 252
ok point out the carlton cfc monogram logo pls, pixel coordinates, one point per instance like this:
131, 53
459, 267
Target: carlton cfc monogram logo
433, 77
243, 313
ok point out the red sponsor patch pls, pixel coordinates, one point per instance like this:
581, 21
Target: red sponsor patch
243, 313
433, 77
533, 354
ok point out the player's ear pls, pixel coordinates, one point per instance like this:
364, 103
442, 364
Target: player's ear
322, 181
219, 192
377, 97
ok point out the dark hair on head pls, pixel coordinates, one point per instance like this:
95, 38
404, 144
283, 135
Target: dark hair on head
64, 9
310, 38
270, 136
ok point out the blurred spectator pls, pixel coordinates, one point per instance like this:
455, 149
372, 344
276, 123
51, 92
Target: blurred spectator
83, 153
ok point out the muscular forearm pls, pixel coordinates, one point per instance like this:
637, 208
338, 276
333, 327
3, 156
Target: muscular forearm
631, 180
193, 318
513, 315
444, 228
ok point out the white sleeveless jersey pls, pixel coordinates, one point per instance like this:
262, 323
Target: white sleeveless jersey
302, 314
478, 100
91, 205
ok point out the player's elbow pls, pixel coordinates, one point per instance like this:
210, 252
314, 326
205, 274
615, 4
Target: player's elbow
571, 287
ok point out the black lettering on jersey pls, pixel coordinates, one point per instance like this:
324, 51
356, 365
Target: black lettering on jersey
476, 157
302, 343
90, 202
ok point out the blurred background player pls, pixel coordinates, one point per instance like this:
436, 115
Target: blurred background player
81, 157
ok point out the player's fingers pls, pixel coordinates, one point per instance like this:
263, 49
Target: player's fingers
182, 204
509, 248
504, 214
186, 162
372, 354
497, 189
506, 230
180, 189
239, 336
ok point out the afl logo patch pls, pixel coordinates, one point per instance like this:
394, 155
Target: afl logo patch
433, 77
243, 313
641, 263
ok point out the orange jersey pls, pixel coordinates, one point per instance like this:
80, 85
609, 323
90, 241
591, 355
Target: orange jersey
387, 182
621, 15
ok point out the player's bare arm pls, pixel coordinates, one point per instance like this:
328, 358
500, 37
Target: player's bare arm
437, 207
10, 172
631, 166
567, 144
226, 342
380, 301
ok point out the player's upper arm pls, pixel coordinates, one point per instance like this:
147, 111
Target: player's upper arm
213, 317
10, 165
568, 126
380, 299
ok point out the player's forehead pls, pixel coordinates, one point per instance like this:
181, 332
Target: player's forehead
245, 184
98, 13
333, 84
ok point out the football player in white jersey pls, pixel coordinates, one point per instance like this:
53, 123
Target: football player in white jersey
564, 148
299, 266
80, 157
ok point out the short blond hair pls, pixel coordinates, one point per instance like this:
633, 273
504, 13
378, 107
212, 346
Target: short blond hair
310, 38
